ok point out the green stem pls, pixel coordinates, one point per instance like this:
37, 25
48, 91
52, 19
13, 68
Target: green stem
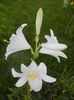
37, 47
28, 95
65, 69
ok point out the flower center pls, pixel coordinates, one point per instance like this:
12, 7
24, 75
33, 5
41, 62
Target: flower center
33, 76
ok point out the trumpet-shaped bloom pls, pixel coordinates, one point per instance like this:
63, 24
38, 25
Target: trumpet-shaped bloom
34, 75
53, 47
39, 20
17, 42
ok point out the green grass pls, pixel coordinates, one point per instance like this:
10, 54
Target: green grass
13, 13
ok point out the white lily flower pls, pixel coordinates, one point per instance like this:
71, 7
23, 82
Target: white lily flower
39, 20
17, 42
34, 75
53, 47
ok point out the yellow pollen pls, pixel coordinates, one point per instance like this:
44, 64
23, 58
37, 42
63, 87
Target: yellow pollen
32, 76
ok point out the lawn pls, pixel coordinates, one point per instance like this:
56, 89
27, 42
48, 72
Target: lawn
13, 13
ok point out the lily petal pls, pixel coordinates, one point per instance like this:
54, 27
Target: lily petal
42, 68
54, 46
33, 65
49, 79
52, 33
57, 58
47, 37
19, 30
21, 81
16, 74
54, 38
35, 84
17, 43
51, 39
24, 69
53, 53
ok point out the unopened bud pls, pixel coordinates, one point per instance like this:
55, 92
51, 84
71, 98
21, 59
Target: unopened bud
39, 20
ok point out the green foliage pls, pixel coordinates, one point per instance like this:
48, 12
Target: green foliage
22, 93
13, 13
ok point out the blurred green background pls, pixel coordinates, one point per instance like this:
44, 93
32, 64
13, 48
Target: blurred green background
13, 13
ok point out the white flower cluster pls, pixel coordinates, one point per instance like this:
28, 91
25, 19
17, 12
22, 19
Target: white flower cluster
34, 74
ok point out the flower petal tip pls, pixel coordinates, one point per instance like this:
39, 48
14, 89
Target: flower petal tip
66, 57
12, 70
51, 32
17, 85
5, 58
64, 46
23, 25
55, 79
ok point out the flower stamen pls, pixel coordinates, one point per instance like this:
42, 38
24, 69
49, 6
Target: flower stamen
33, 76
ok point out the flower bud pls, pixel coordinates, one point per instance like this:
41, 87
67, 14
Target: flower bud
39, 20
